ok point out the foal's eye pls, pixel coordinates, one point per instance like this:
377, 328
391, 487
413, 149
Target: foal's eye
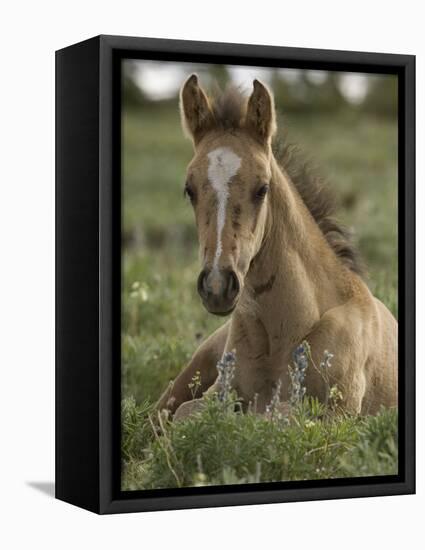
189, 192
261, 192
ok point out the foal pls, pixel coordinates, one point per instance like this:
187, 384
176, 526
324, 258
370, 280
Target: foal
274, 261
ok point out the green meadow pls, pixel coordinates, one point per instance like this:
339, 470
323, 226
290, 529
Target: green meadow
163, 320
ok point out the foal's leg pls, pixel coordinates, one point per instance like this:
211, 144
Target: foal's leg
343, 331
204, 360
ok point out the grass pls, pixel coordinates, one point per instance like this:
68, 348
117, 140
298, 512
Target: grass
163, 320
219, 446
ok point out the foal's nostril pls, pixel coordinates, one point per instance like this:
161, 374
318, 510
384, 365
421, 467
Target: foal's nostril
232, 285
218, 289
202, 283
205, 287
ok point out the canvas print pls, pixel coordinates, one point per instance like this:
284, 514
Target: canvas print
258, 275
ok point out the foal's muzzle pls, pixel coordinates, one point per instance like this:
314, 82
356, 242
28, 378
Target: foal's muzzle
219, 290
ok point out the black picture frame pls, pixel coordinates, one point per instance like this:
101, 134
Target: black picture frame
88, 249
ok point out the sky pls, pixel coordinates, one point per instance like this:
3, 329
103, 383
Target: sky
162, 79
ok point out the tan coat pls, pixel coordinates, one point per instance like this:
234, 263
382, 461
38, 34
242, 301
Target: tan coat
265, 259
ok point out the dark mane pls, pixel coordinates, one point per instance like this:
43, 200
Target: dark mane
320, 201
229, 108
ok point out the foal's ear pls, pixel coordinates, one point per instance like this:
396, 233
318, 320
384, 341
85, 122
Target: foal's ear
260, 115
197, 117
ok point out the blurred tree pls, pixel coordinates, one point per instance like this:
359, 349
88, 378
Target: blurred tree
301, 93
132, 94
382, 97
329, 96
218, 75
283, 92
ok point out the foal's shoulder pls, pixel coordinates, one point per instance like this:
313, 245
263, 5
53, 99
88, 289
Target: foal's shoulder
360, 300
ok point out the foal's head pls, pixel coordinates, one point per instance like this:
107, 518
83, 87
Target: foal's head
228, 182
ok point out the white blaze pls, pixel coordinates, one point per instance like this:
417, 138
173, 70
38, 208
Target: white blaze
223, 165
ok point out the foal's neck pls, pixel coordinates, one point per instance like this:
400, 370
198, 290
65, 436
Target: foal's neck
296, 276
